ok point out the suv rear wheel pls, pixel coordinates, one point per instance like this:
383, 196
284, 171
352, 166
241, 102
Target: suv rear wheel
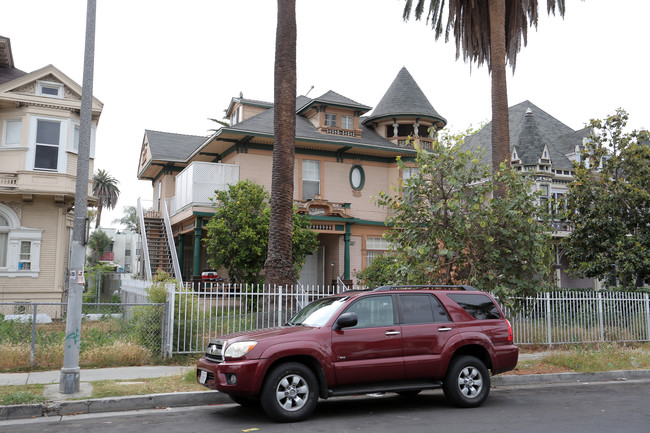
467, 383
290, 392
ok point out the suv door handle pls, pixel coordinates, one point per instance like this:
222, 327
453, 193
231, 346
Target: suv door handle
444, 329
392, 332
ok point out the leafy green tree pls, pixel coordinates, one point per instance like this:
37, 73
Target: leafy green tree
129, 219
446, 228
106, 190
486, 31
609, 205
237, 234
380, 272
98, 243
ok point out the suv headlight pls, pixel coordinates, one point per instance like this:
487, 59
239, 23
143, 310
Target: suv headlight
239, 349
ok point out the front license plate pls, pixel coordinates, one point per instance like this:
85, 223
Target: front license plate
203, 377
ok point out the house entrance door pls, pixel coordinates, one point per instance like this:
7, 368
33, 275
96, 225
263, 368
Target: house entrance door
313, 272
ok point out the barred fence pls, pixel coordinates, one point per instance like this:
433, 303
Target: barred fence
202, 312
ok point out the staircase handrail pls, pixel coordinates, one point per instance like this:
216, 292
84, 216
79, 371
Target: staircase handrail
145, 247
172, 246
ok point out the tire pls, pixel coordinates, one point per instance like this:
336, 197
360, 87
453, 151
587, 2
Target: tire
243, 401
467, 383
290, 392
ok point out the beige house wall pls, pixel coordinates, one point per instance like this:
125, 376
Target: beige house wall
41, 213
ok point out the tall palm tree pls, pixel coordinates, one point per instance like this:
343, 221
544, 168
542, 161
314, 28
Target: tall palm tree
106, 190
487, 31
279, 263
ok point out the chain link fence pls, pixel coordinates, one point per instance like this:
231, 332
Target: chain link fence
115, 334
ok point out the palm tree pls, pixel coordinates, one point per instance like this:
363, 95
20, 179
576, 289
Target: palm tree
487, 31
106, 190
279, 263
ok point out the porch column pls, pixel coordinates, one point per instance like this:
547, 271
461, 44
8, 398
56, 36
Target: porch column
181, 250
197, 246
346, 252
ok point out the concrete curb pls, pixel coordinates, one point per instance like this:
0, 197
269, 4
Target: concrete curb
113, 404
205, 398
559, 378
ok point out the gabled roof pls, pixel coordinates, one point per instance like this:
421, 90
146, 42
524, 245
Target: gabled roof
404, 98
530, 135
262, 124
167, 146
331, 98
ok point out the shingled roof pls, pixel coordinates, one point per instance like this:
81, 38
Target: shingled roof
262, 124
7, 70
529, 134
167, 146
405, 98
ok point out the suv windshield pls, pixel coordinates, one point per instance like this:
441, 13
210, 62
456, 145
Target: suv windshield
318, 312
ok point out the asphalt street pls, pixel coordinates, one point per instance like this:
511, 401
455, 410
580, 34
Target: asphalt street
579, 407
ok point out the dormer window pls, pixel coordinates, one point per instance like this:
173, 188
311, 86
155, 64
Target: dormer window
49, 89
347, 122
330, 119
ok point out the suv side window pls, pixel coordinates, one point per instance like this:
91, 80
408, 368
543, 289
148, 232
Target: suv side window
478, 306
422, 309
373, 311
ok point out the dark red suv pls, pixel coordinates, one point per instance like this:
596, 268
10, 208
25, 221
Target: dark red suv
401, 339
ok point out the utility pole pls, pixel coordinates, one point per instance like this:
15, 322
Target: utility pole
69, 381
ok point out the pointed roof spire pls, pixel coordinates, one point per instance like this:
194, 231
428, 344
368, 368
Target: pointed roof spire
404, 98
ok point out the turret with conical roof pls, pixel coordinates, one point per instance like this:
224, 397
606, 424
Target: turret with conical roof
405, 111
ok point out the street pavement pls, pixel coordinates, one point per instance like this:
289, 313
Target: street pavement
59, 405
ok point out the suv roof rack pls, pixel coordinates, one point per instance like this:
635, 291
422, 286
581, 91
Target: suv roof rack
426, 286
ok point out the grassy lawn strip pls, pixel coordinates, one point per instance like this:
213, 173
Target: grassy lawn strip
30, 394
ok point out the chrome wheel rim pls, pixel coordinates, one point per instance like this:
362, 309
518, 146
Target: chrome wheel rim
470, 382
292, 392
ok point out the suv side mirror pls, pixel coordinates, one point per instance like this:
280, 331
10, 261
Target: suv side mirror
346, 320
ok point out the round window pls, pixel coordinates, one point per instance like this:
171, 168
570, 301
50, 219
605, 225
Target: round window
357, 177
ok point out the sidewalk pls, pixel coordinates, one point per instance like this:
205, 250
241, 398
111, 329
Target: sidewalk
60, 407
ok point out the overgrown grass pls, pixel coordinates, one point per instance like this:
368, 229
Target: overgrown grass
602, 357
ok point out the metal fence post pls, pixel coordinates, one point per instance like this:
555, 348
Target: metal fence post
549, 337
279, 306
647, 315
34, 315
169, 305
599, 296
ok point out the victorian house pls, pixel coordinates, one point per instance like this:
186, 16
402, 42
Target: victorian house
544, 148
39, 138
344, 157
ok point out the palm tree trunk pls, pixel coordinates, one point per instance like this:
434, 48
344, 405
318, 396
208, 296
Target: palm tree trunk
279, 263
500, 128
98, 218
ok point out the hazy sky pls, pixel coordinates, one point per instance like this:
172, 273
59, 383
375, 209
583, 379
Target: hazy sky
170, 65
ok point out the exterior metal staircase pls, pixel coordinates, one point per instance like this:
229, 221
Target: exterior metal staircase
157, 242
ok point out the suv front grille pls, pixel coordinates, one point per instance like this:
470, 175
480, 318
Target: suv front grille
215, 351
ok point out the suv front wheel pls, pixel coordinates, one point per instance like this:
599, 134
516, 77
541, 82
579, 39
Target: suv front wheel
290, 392
467, 383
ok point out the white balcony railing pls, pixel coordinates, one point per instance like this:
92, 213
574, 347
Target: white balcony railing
196, 184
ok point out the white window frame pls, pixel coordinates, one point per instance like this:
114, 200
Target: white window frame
62, 160
73, 145
347, 122
375, 247
310, 173
330, 119
17, 237
5, 132
50, 85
